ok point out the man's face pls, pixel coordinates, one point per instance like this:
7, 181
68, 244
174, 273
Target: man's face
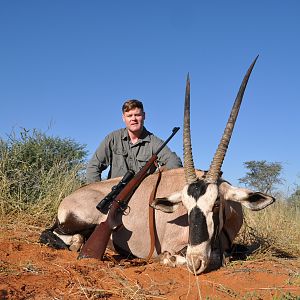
134, 120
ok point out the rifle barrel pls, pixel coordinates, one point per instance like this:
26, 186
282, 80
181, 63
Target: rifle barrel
174, 131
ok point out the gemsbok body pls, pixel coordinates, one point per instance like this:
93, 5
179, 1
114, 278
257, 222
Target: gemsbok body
197, 214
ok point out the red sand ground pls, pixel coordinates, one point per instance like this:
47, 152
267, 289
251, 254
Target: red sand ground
29, 270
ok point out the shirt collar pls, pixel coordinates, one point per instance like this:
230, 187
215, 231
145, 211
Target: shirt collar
145, 136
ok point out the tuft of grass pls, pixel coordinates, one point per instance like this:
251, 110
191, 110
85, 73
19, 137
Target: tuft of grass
29, 267
54, 186
286, 296
273, 231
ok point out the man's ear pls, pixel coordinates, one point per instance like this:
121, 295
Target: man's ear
168, 204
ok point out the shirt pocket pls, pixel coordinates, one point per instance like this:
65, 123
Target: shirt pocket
142, 159
118, 161
120, 151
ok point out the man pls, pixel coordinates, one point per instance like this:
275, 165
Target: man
129, 148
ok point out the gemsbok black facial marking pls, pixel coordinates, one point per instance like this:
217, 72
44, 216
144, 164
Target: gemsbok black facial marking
197, 189
198, 227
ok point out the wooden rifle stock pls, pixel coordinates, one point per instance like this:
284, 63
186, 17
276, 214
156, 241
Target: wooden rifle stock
97, 242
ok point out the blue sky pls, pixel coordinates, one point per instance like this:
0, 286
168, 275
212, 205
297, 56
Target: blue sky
66, 68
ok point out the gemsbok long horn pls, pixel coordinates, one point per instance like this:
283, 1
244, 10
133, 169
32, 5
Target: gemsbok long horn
216, 164
189, 168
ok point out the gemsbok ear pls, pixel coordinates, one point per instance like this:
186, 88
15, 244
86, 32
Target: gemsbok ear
257, 201
167, 205
248, 198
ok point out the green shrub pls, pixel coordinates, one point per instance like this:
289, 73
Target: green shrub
34, 166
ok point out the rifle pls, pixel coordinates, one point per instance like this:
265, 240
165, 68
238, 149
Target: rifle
104, 205
97, 242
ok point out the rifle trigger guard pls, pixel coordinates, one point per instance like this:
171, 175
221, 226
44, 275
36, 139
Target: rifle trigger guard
126, 211
123, 208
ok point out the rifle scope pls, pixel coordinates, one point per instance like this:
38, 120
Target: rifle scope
104, 205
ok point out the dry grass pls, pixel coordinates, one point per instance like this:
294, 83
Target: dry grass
274, 231
55, 186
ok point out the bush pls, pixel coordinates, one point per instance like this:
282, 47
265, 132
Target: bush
33, 165
294, 199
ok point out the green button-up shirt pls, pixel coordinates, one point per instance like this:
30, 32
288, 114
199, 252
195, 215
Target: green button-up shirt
117, 152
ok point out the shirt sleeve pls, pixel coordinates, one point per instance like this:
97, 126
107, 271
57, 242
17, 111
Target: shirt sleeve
99, 162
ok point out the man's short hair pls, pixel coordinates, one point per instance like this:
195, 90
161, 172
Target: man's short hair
132, 104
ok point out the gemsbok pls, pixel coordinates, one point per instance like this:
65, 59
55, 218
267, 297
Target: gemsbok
197, 214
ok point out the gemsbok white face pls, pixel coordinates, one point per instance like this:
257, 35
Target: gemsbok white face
199, 199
